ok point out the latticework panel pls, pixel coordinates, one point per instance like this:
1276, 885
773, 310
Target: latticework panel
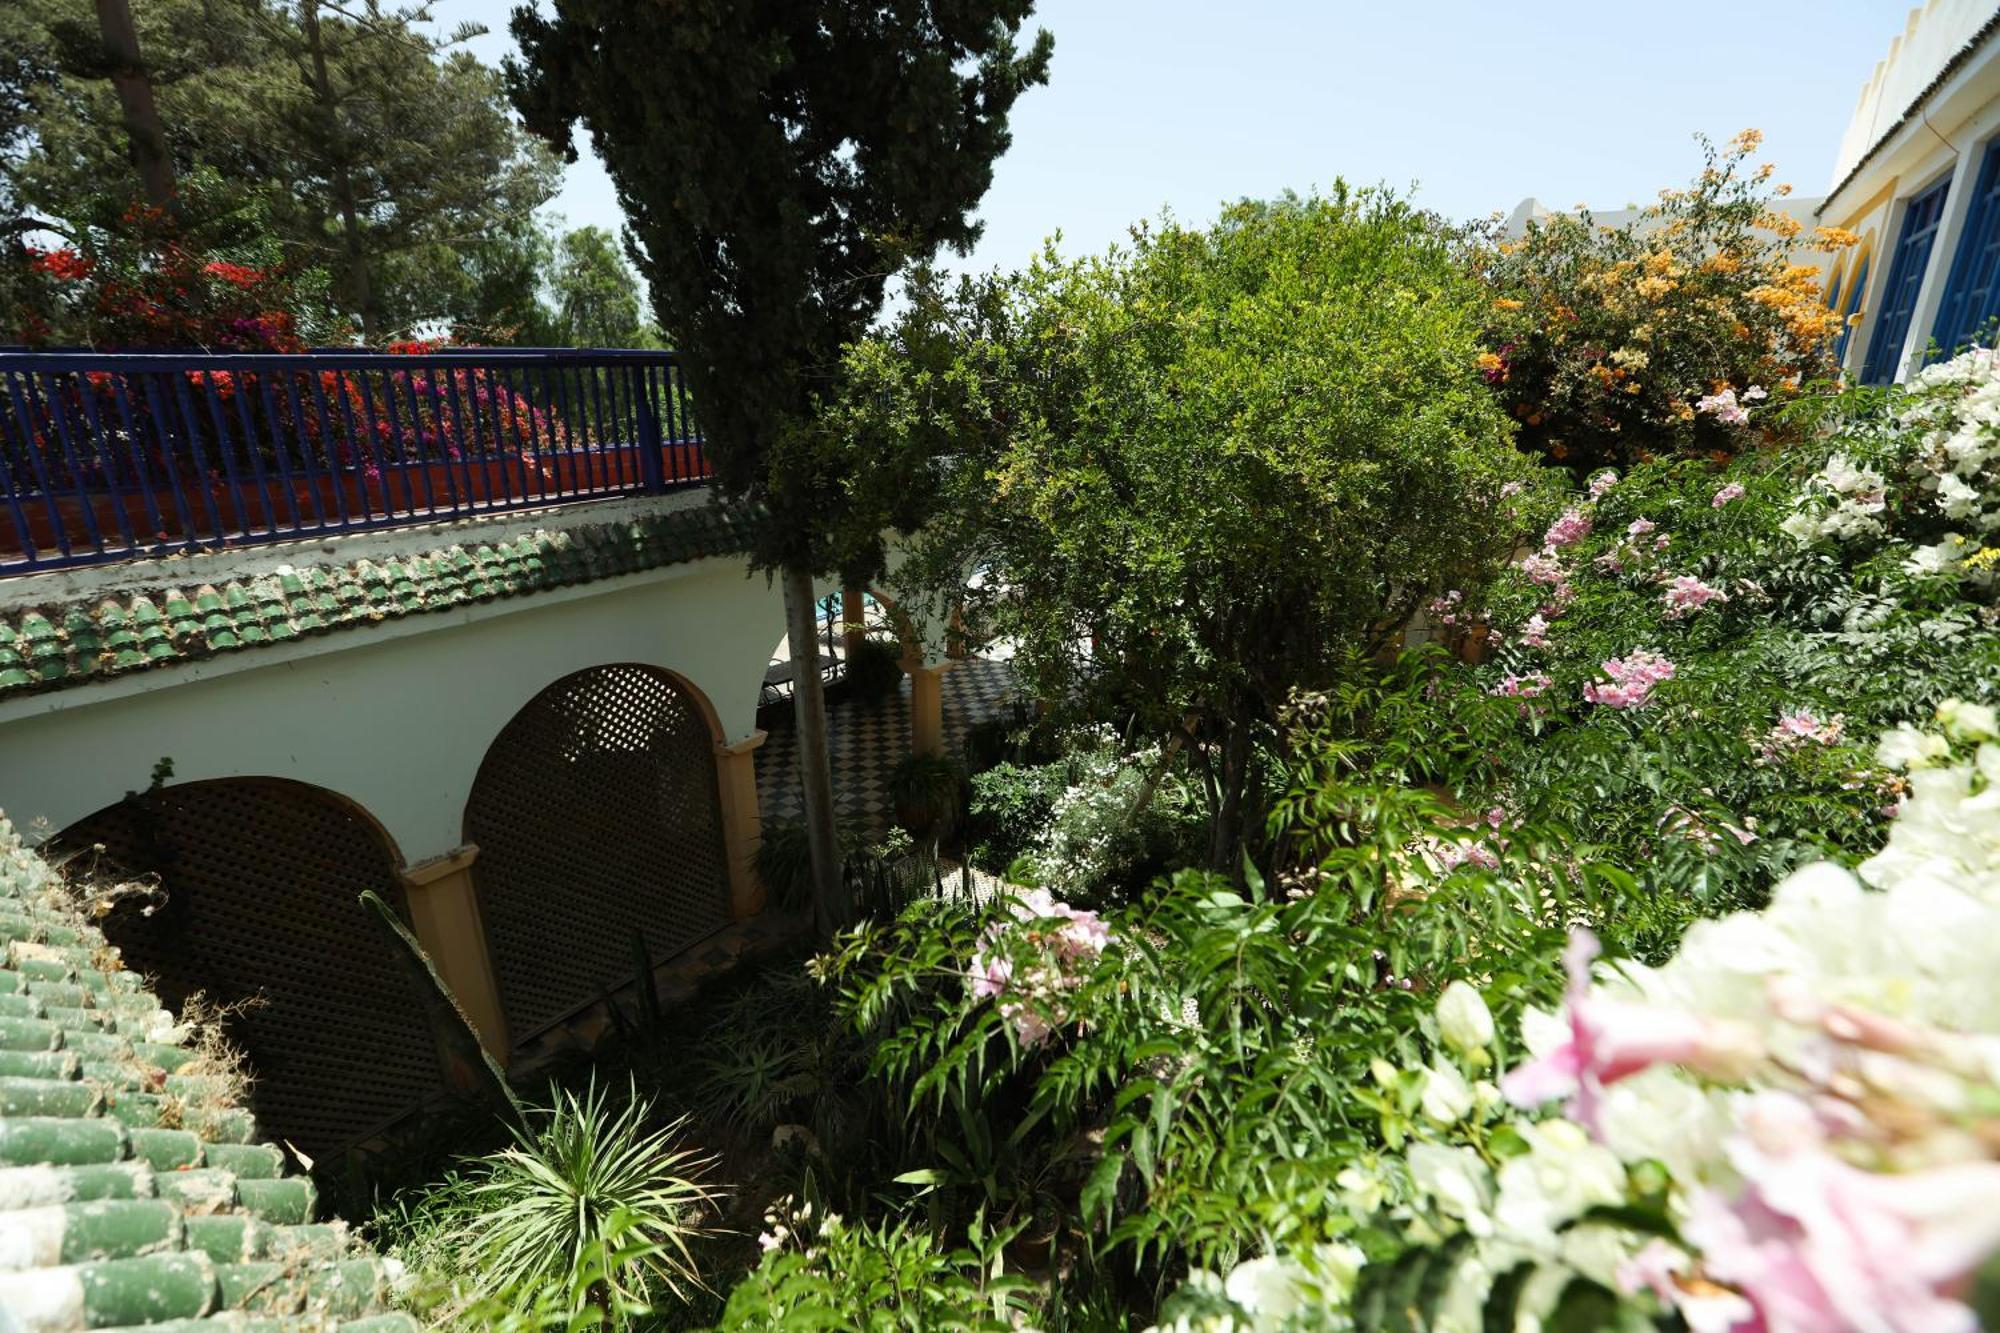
596, 816
261, 881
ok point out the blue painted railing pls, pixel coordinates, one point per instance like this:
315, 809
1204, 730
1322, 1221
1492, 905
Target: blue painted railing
112, 456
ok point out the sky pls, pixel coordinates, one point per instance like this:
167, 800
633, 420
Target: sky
1156, 104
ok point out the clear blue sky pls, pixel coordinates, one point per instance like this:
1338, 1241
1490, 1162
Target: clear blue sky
1156, 103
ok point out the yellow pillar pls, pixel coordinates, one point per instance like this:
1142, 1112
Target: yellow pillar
444, 914
742, 822
926, 705
853, 620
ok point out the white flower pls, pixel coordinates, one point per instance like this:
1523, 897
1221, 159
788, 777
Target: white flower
1464, 1021
1268, 1288
1956, 498
1457, 1180
1447, 1097
1964, 721
1906, 747
1562, 1175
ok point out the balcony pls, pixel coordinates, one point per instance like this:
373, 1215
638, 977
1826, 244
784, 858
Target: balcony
116, 456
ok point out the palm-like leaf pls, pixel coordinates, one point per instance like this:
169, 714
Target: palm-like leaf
583, 1183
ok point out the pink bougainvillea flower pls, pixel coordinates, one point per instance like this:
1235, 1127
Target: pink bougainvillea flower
1815, 1243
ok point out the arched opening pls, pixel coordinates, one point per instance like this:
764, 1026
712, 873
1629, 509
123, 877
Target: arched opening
258, 912
597, 821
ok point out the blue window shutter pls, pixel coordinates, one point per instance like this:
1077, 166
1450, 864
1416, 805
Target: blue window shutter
1972, 293
1857, 286
1907, 263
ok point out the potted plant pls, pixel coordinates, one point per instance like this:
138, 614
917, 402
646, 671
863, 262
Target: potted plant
926, 790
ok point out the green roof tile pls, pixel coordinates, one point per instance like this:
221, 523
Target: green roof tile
51, 647
132, 1195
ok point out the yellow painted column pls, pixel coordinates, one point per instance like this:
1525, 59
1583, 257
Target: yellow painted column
742, 822
926, 705
853, 620
444, 915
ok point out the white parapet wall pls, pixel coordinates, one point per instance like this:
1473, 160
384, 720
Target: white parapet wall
394, 715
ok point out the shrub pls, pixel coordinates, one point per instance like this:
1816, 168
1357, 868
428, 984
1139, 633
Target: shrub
588, 1209
1608, 345
1785, 1125
1221, 466
819, 1271
929, 793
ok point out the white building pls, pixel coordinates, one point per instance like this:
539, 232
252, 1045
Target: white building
1918, 179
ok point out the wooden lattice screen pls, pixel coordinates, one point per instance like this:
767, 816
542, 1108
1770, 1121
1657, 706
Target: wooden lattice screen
260, 879
596, 816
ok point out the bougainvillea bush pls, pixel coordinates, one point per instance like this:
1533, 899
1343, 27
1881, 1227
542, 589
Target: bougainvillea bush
1613, 344
155, 285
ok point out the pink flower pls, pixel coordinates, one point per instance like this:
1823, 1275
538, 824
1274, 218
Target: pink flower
1535, 633
1601, 483
1611, 1040
1632, 680
1798, 729
1732, 491
1689, 594
1522, 687
1512, 489
1639, 527
1814, 1243
1544, 568
1725, 407
1568, 530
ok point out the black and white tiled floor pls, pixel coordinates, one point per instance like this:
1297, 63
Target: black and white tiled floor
868, 743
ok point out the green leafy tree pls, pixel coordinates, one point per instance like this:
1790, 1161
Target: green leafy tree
779, 161
1218, 468
596, 294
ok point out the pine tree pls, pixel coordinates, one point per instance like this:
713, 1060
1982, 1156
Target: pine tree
779, 162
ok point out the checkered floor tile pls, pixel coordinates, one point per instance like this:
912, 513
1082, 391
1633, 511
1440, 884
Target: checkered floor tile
867, 744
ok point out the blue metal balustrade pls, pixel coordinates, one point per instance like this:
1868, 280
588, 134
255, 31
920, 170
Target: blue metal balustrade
113, 456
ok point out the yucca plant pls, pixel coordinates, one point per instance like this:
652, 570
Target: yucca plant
586, 1187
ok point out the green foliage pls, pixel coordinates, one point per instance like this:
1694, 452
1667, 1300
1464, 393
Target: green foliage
366, 145
822, 1273
588, 1210
595, 293
1226, 1074
814, 150
1235, 457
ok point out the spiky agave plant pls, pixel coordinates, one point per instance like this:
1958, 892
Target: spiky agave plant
588, 1197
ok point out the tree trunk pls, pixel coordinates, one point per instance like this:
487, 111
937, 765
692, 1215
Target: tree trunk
360, 286
831, 909
145, 135
1225, 838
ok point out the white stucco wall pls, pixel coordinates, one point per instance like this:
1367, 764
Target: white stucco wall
396, 717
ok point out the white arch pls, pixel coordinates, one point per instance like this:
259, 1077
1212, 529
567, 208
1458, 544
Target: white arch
396, 717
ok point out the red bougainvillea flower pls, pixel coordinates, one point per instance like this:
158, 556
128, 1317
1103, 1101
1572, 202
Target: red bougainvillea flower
61, 262
236, 275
